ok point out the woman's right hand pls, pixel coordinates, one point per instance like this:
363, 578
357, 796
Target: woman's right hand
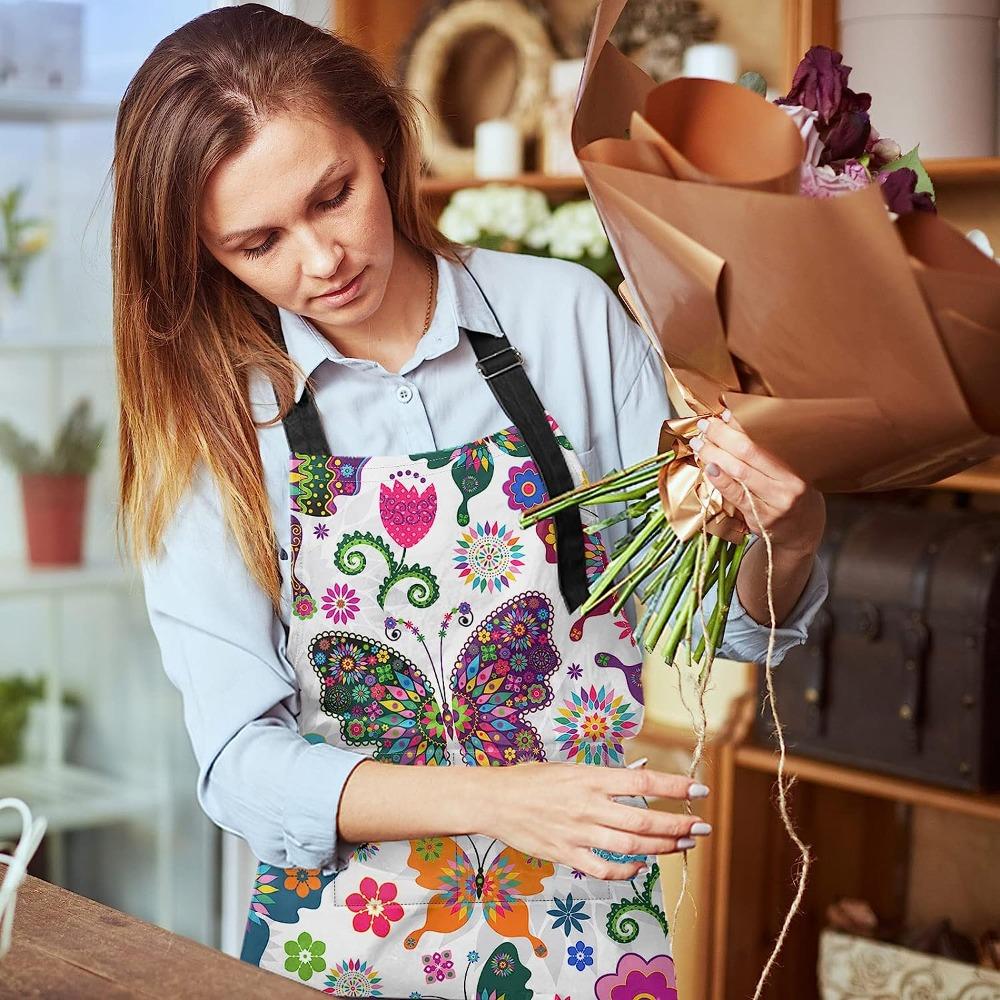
559, 811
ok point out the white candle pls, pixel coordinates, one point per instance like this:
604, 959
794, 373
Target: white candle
712, 60
499, 152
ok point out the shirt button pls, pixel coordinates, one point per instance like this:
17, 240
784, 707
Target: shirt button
404, 394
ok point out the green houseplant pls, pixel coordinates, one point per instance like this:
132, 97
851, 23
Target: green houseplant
22, 730
54, 485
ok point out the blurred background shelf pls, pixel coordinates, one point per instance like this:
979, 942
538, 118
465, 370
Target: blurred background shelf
56, 107
22, 579
71, 797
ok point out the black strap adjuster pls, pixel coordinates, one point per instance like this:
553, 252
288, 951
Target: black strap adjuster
498, 354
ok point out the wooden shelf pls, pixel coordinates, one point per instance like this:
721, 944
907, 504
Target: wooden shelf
867, 783
964, 170
983, 478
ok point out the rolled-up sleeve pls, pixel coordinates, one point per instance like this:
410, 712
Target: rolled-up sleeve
641, 406
223, 648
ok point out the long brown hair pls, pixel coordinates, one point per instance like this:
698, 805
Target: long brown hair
187, 332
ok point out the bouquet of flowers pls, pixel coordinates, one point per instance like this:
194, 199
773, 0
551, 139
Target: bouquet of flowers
855, 343
519, 219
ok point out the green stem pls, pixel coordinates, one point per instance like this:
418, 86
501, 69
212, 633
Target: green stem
606, 580
685, 615
671, 595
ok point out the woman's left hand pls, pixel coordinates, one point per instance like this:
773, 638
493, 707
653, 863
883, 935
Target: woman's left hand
791, 510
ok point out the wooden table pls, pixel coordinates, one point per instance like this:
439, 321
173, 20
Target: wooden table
65, 945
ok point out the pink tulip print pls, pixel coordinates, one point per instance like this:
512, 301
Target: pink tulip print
407, 512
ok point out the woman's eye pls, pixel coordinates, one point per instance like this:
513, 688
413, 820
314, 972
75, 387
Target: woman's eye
344, 194
259, 251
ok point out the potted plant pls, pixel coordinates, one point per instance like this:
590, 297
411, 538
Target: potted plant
20, 240
54, 485
24, 729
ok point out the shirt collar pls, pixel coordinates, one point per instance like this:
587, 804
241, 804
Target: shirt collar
459, 304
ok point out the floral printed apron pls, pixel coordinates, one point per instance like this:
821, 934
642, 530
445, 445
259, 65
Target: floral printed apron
429, 629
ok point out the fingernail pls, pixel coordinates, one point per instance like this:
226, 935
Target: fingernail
712, 469
701, 829
697, 444
726, 415
703, 424
686, 843
698, 792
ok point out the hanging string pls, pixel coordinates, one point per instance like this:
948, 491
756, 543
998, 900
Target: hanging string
32, 831
783, 788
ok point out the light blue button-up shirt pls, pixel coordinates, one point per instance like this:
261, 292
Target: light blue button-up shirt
222, 644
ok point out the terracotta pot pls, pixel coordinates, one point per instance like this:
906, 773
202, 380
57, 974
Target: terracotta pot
54, 509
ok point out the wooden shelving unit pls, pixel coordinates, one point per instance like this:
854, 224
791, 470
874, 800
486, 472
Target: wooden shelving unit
857, 822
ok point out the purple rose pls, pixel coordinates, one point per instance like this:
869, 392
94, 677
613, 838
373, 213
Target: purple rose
899, 189
820, 83
847, 137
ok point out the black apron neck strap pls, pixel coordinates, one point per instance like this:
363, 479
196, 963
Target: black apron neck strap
303, 426
500, 364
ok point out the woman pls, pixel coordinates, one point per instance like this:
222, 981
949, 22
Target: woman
327, 440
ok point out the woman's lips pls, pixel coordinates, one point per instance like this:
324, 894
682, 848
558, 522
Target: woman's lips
345, 294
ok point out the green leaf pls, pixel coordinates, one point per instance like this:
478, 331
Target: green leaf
912, 160
752, 80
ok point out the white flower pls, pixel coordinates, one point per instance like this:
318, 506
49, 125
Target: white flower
982, 241
575, 231
504, 210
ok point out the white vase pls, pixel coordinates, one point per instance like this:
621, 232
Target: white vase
931, 68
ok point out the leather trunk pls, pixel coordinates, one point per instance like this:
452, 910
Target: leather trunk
901, 671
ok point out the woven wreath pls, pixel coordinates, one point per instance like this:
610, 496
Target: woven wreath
429, 61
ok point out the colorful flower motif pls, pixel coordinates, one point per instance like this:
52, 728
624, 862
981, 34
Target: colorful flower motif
304, 607
624, 628
501, 964
407, 512
302, 881
575, 671
524, 487
637, 977
321, 531
568, 914
438, 966
546, 531
340, 602
305, 956
580, 955
261, 891
365, 852
576, 873
488, 557
591, 726
473, 957
353, 978
429, 848
374, 907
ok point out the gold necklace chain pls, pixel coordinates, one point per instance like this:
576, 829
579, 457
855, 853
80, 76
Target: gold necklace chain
430, 292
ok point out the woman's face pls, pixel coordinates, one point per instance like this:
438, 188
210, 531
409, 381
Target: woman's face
302, 213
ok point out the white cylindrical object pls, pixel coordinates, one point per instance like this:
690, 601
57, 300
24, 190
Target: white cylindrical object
712, 61
931, 67
499, 150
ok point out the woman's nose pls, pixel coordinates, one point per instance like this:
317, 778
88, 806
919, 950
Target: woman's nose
320, 256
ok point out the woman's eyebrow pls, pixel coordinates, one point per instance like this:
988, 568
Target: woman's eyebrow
242, 233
